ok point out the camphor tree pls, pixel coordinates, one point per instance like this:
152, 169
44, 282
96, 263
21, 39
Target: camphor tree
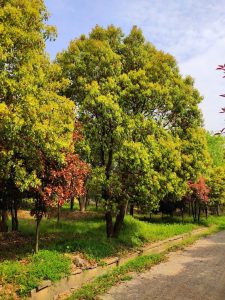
36, 123
60, 183
131, 97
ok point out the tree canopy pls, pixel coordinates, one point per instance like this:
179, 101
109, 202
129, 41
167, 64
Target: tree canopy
141, 121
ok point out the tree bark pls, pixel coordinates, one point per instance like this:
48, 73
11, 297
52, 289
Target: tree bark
3, 221
182, 214
82, 201
218, 209
189, 209
37, 234
199, 212
132, 210
109, 224
58, 213
119, 221
87, 202
71, 204
96, 204
206, 212
14, 217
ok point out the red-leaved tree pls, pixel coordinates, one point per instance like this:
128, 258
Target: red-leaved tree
67, 182
198, 196
60, 182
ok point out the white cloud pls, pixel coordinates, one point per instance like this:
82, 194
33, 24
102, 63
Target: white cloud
210, 82
194, 32
191, 30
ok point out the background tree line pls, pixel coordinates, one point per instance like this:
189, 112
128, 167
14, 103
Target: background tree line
111, 120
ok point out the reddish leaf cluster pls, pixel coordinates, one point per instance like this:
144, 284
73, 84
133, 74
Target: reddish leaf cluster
200, 190
67, 182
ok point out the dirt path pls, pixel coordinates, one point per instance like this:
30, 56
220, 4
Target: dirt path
196, 273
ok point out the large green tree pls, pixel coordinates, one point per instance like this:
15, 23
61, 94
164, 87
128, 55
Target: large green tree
138, 114
36, 123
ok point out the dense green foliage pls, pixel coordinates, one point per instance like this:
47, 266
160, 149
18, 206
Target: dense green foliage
135, 122
37, 124
35, 121
216, 176
216, 146
141, 121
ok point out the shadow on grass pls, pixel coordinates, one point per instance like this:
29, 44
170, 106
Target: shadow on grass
88, 236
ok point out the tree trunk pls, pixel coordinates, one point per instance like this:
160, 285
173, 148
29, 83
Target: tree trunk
119, 221
37, 234
82, 201
71, 204
189, 209
199, 212
109, 224
206, 212
182, 214
96, 204
14, 217
3, 221
87, 202
194, 211
58, 213
218, 209
132, 210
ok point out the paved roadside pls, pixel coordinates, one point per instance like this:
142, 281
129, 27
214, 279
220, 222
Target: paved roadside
196, 273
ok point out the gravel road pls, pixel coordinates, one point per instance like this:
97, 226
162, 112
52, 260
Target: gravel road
196, 273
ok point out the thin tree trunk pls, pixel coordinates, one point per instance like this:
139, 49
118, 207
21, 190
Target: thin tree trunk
58, 213
218, 210
192, 210
182, 214
189, 209
37, 234
72, 204
109, 224
206, 212
199, 212
14, 217
132, 210
96, 204
3, 221
87, 202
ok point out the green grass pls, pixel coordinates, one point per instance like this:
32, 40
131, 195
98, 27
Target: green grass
89, 237
101, 284
86, 236
41, 266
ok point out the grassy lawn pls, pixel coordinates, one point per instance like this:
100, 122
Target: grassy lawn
86, 236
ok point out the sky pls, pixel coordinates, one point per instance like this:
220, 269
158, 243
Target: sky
193, 31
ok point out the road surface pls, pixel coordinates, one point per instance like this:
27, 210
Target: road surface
196, 273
